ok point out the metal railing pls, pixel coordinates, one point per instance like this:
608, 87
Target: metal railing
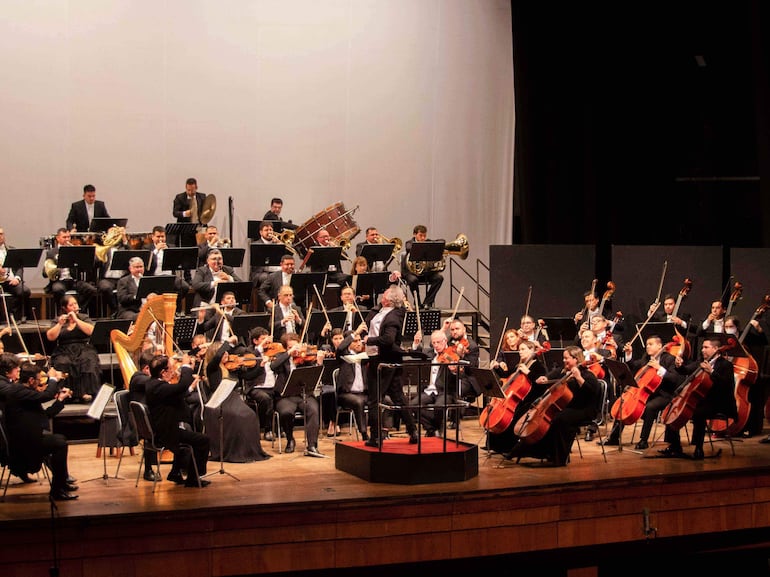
474, 289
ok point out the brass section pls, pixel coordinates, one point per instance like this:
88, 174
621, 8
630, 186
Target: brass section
113, 237
160, 308
397, 242
458, 247
51, 269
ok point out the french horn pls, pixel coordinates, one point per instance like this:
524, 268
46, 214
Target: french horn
113, 237
51, 269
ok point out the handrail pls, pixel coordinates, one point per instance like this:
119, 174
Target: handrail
481, 303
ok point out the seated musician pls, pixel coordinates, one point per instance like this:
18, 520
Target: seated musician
216, 321
468, 352
664, 366
73, 354
271, 286
719, 398
208, 276
665, 314
529, 330
259, 274
331, 339
373, 237
166, 390
287, 317
22, 395
137, 392
129, 303
523, 391
210, 241
109, 277
282, 365
352, 388
259, 381
12, 284
159, 246
355, 313
594, 356
511, 340
60, 280
334, 274
432, 277
714, 322
556, 444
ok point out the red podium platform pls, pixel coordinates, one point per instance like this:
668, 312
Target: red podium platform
401, 463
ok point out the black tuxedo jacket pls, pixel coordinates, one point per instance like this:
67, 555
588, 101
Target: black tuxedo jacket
127, 291
167, 407
201, 283
78, 216
181, 204
389, 340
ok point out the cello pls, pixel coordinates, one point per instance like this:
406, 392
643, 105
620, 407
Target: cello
498, 416
690, 392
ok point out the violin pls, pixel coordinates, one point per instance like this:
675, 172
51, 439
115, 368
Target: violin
459, 348
448, 356
273, 349
305, 354
245, 361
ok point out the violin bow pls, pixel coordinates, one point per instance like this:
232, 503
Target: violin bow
163, 330
40, 337
529, 299
660, 286
457, 305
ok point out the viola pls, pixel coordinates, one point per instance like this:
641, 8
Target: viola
448, 356
245, 361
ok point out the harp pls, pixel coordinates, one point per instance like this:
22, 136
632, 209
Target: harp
160, 308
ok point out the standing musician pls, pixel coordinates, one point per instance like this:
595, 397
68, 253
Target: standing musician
208, 276
432, 277
664, 366
82, 212
718, 399
276, 205
12, 284
166, 390
557, 442
22, 393
188, 206
159, 247
63, 280
383, 345
525, 389
282, 365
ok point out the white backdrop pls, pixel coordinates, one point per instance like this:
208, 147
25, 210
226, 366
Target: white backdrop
403, 108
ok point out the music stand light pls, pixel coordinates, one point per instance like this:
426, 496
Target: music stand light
180, 258
232, 256
105, 223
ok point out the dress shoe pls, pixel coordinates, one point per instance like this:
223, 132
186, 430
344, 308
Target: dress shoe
204, 483
290, 444
641, 446
175, 478
62, 495
70, 488
152, 476
430, 433
372, 442
312, 451
414, 438
671, 452
609, 442
589, 436
269, 436
25, 478
364, 436
70, 479
766, 440
698, 454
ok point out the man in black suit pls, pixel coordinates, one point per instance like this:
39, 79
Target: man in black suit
383, 345
82, 212
21, 396
268, 290
208, 276
169, 416
158, 248
61, 280
137, 388
276, 205
188, 207
12, 283
128, 286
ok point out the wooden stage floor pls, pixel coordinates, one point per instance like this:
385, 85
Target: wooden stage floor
296, 514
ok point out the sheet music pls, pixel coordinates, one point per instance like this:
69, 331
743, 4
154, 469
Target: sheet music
223, 391
100, 401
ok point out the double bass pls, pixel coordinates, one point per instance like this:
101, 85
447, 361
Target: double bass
689, 394
679, 346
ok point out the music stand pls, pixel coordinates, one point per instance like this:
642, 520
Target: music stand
182, 230
241, 289
300, 381
233, 256
317, 319
377, 252
302, 283
261, 254
324, 256
428, 251
371, 283
561, 329
159, 285
120, 258
623, 377
20, 258
184, 329
78, 258
242, 325
553, 359
430, 321
184, 258
512, 359
105, 223
224, 389
96, 412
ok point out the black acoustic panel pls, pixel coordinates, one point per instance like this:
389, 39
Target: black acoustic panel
558, 274
637, 272
750, 267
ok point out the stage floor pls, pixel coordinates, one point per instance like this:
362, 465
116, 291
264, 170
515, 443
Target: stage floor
316, 496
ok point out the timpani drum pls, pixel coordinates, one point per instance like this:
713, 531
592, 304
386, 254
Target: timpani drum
338, 221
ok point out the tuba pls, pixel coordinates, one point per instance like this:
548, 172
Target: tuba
458, 247
113, 237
